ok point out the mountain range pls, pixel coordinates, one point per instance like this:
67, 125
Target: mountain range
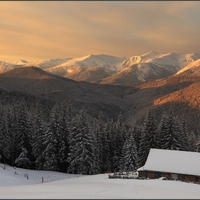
130, 85
107, 69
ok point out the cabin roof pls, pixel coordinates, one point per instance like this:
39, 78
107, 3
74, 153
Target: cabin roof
173, 161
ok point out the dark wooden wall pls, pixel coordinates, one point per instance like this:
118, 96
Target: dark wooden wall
168, 175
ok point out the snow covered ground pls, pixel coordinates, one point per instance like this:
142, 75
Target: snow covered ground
63, 186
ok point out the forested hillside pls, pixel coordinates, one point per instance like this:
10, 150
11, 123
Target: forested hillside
54, 123
41, 134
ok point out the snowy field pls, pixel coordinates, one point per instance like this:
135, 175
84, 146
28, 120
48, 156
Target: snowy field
63, 186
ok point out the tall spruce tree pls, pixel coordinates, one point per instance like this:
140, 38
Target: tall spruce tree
148, 138
82, 158
4, 138
38, 147
129, 159
198, 144
23, 160
163, 131
97, 127
101, 131
23, 129
120, 133
12, 135
192, 141
72, 146
184, 136
110, 132
51, 141
65, 119
171, 136
107, 150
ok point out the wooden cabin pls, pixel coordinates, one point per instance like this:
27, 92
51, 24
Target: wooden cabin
172, 165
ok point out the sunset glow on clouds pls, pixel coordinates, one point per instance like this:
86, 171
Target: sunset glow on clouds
36, 31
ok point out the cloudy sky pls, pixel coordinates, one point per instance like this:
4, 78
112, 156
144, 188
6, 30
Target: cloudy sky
42, 30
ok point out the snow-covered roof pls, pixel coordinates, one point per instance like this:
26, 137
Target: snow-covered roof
174, 161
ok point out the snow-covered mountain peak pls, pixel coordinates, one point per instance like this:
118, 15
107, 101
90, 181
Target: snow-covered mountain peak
132, 61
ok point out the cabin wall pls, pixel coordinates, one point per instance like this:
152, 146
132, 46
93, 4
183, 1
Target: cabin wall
189, 178
142, 174
154, 175
169, 176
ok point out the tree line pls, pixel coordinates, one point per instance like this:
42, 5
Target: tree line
74, 142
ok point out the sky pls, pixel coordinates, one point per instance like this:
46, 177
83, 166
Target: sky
43, 30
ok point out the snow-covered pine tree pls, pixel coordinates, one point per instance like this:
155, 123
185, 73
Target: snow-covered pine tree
23, 160
171, 136
98, 148
103, 152
151, 129
23, 128
4, 137
38, 147
184, 136
138, 136
177, 138
133, 128
198, 144
111, 128
51, 141
50, 155
192, 141
148, 135
72, 146
65, 119
12, 136
82, 155
122, 158
107, 150
164, 137
144, 147
129, 159
119, 137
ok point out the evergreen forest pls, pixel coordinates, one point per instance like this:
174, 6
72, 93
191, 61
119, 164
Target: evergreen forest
44, 135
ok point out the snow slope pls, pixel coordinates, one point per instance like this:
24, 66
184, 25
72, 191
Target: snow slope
192, 68
67, 186
18, 176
